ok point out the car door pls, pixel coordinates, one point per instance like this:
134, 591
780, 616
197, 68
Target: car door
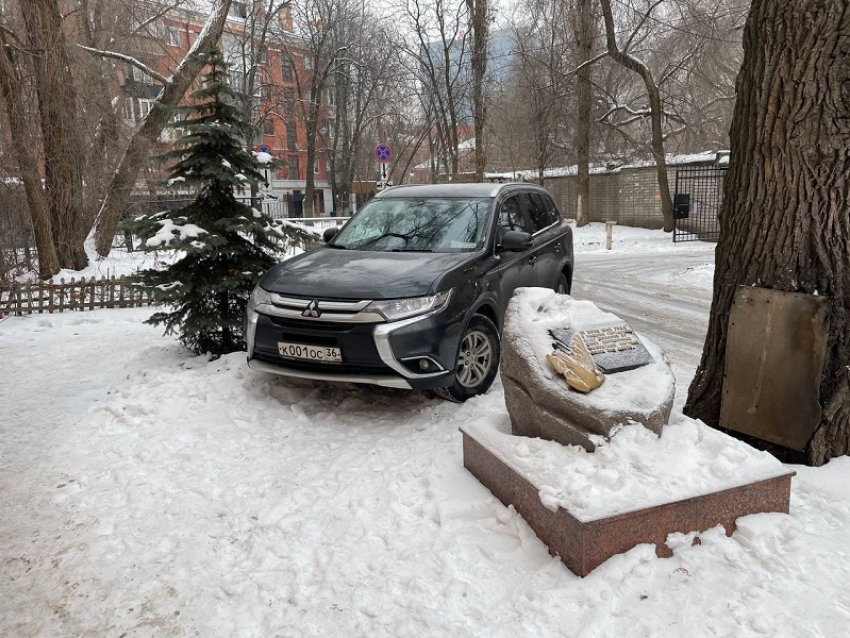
516, 269
548, 233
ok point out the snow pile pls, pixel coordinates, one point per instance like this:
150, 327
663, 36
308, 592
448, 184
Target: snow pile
701, 276
633, 470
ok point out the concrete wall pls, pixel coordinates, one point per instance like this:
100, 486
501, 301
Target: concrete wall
628, 196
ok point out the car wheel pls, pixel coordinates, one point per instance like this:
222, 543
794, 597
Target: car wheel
477, 361
562, 286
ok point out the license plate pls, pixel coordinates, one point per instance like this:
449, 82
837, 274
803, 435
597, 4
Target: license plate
309, 353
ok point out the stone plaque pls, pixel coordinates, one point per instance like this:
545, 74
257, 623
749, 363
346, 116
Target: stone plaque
774, 359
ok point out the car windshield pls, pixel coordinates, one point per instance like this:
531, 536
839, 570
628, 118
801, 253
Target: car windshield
429, 225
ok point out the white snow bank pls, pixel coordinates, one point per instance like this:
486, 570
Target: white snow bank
630, 239
150, 492
633, 470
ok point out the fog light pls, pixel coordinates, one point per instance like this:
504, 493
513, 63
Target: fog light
423, 364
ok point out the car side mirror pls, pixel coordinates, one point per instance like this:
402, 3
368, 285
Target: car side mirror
329, 234
516, 241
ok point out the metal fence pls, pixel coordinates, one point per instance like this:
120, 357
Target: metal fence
699, 193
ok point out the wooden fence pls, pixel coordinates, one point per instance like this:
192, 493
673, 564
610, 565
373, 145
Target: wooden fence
85, 294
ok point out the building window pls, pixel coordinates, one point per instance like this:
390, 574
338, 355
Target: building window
145, 107
268, 127
286, 66
172, 36
289, 101
316, 165
137, 109
291, 143
137, 75
293, 167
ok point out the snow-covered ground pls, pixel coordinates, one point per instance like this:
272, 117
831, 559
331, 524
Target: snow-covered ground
148, 492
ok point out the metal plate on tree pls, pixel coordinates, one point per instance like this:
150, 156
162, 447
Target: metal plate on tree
774, 359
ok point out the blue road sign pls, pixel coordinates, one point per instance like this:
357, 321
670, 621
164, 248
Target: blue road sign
383, 152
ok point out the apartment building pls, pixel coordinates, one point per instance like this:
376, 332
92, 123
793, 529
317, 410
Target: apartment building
268, 62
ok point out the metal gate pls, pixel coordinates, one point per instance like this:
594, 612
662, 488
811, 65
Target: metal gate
699, 193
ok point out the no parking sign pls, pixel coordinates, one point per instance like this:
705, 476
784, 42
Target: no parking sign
383, 152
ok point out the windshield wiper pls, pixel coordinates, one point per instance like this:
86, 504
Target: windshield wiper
338, 246
411, 250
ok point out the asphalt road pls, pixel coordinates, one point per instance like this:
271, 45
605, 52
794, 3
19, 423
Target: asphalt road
665, 296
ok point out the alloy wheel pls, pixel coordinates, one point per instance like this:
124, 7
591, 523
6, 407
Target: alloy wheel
475, 360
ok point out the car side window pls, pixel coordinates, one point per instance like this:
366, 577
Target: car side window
511, 217
541, 210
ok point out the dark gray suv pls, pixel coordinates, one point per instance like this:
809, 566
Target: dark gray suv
411, 292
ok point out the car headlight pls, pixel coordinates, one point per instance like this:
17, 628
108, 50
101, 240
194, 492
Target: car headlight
258, 297
395, 309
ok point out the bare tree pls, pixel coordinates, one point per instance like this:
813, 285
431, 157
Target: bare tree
174, 87
22, 138
622, 57
58, 108
785, 218
584, 30
366, 87
441, 50
319, 23
478, 21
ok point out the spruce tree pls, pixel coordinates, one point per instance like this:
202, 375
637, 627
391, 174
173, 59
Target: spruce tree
225, 244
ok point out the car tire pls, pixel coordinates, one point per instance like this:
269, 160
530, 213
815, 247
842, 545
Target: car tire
562, 286
477, 361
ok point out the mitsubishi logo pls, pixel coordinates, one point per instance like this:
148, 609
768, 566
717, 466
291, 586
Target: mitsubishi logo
312, 310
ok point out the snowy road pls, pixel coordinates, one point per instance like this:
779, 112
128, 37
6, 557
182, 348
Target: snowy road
148, 492
662, 296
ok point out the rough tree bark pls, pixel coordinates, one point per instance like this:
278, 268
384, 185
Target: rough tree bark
478, 22
22, 138
139, 149
631, 63
314, 110
584, 30
785, 219
58, 108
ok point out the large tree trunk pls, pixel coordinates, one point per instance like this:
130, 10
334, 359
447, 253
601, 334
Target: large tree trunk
785, 219
23, 139
312, 131
478, 14
583, 27
58, 108
124, 179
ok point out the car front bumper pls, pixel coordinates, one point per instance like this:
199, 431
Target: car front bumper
416, 353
